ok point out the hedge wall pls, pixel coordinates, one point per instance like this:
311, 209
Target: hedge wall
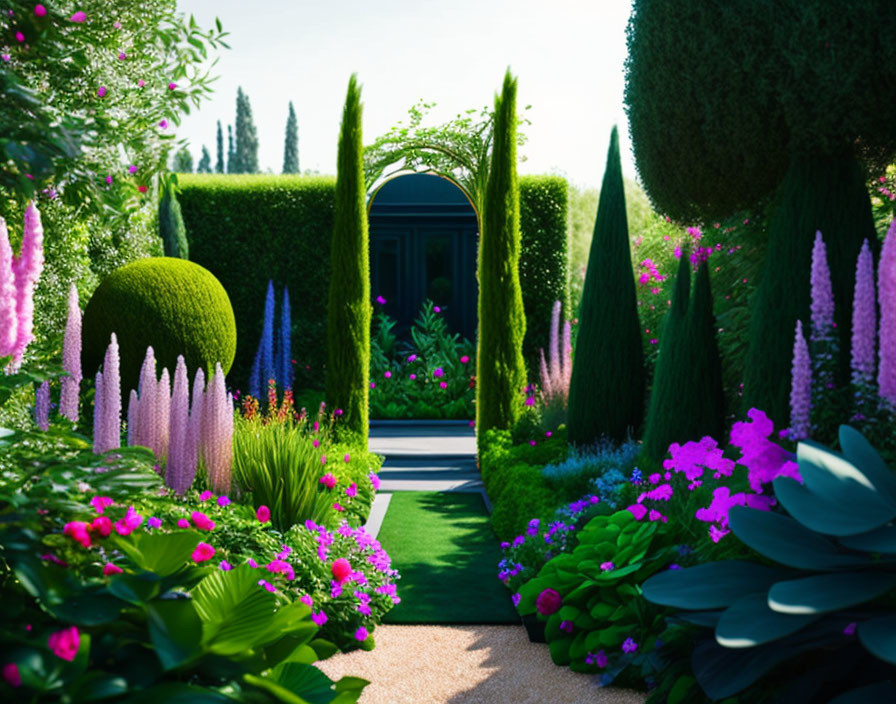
544, 260
246, 229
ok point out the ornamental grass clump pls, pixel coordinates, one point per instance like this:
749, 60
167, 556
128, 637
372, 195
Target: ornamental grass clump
823, 608
556, 372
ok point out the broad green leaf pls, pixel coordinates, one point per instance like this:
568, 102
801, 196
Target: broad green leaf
859, 452
175, 631
785, 540
829, 592
135, 589
749, 622
560, 651
177, 693
294, 683
825, 514
323, 648
881, 540
88, 609
161, 553
714, 585
878, 635
879, 692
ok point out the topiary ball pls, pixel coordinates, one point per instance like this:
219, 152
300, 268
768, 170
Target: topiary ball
172, 305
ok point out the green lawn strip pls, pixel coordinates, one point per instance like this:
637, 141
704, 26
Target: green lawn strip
443, 545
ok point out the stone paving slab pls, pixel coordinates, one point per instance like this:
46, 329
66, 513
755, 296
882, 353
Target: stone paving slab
414, 441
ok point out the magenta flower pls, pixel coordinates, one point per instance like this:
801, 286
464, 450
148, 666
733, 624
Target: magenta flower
101, 92
225, 566
65, 643
5, 57
40, 10
351, 490
172, 86
100, 503
223, 501
374, 480
102, 526
323, 459
548, 602
319, 618
203, 553
263, 514
388, 375
436, 309
530, 401
205, 495
26, 271
11, 674
141, 83
381, 300
109, 179
111, 569
599, 659
638, 511
328, 480
361, 634
412, 358
372, 384
9, 321
347, 458
443, 384
413, 377
279, 566
341, 570
464, 359
20, 38
78, 17
850, 629
438, 372
154, 522
122, 56
202, 522
629, 646
132, 169
162, 123
607, 566
183, 523
267, 585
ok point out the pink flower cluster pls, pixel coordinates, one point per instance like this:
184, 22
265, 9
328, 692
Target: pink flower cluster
652, 273
18, 278
556, 377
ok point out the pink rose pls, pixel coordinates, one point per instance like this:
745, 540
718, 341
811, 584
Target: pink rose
11, 674
111, 569
341, 569
78, 17
263, 514
201, 521
203, 552
548, 602
65, 643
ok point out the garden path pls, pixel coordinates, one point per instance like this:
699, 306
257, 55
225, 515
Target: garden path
453, 664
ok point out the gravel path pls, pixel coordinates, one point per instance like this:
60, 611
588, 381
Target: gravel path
467, 665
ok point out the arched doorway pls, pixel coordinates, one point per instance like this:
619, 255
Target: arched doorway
423, 244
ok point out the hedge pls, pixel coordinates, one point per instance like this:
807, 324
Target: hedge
247, 229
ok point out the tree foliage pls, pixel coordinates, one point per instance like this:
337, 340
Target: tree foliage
349, 307
183, 161
246, 146
232, 165
799, 76
66, 89
205, 162
291, 143
219, 162
502, 322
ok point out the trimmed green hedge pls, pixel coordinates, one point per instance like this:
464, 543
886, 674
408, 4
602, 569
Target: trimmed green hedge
544, 259
246, 229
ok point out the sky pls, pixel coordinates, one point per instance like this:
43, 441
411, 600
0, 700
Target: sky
568, 56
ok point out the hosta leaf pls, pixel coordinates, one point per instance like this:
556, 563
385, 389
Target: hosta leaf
860, 452
882, 539
161, 553
714, 585
828, 474
828, 592
785, 540
749, 622
825, 514
878, 635
560, 651
880, 692
175, 631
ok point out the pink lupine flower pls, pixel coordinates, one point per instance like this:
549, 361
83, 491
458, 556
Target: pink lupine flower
217, 433
822, 293
162, 409
203, 553
178, 471
78, 17
195, 422
801, 387
26, 270
65, 643
864, 319
71, 359
11, 674
886, 284
9, 322
263, 514
111, 569
42, 406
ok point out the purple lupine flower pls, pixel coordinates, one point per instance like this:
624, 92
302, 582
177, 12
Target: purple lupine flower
556, 364
140, 412
864, 319
567, 354
162, 408
284, 344
71, 359
217, 433
9, 321
195, 429
107, 433
544, 375
822, 294
133, 409
98, 415
177, 472
267, 338
886, 284
801, 387
42, 406
26, 269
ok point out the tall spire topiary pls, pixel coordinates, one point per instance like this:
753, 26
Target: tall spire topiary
246, 136
670, 381
706, 415
171, 222
606, 396
800, 387
291, 143
886, 282
232, 166
219, 162
71, 359
349, 308
500, 368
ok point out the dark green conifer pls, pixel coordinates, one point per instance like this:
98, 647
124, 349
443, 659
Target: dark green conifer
291, 143
219, 164
246, 136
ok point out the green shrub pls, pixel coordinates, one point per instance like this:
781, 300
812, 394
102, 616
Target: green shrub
544, 258
249, 229
502, 320
525, 495
172, 305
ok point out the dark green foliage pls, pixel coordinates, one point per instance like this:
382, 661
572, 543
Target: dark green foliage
232, 165
502, 321
219, 163
291, 144
707, 396
670, 381
171, 222
349, 308
183, 162
800, 77
172, 305
818, 194
205, 162
246, 149
249, 229
544, 259
606, 396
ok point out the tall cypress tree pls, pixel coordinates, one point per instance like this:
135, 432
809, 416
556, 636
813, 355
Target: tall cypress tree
706, 415
171, 222
232, 166
291, 145
183, 161
219, 164
205, 162
501, 370
606, 393
349, 308
670, 382
246, 136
